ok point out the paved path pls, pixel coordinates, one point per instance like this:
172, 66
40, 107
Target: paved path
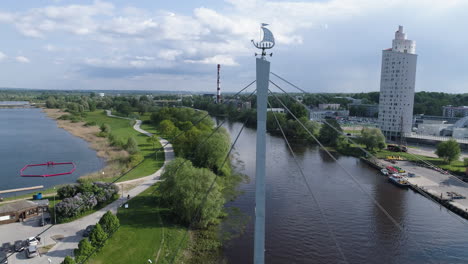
72, 232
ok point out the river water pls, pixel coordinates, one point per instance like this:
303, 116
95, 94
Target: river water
28, 136
296, 233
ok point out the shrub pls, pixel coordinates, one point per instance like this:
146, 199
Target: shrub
67, 191
135, 159
68, 260
105, 128
97, 236
132, 146
465, 161
84, 250
90, 123
109, 222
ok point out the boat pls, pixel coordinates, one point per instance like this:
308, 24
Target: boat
384, 172
398, 180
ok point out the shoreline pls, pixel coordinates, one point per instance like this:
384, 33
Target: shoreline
101, 145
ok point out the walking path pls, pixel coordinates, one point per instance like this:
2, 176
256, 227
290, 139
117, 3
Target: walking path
71, 233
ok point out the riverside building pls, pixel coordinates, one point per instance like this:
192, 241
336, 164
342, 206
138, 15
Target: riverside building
397, 83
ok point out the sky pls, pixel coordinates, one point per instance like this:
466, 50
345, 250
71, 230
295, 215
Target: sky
322, 46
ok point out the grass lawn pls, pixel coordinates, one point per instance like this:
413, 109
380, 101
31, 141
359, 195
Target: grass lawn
123, 129
456, 166
140, 234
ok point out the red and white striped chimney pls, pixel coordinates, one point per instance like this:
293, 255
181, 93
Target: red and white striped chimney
218, 94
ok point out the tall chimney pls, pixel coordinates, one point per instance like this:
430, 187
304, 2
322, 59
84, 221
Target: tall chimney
218, 92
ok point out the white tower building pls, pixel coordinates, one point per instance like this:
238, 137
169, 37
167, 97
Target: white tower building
397, 81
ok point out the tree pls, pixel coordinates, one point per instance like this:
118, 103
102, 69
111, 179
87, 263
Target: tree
68, 260
465, 162
183, 189
329, 132
448, 150
109, 222
84, 250
132, 145
167, 128
372, 138
298, 110
153, 139
97, 236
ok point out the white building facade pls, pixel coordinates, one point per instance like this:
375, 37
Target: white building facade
397, 84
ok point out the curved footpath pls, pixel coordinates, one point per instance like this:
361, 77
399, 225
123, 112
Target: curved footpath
71, 233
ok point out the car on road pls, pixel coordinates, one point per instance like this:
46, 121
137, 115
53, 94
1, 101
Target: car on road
32, 241
3, 257
31, 251
88, 230
19, 245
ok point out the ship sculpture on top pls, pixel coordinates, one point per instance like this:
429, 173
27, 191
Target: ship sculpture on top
267, 42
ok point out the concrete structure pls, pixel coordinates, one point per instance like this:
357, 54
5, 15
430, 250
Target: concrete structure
397, 82
101, 94
455, 111
329, 106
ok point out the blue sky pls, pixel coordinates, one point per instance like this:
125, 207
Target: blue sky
324, 46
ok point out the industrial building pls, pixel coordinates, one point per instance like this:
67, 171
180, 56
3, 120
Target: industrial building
455, 111
397, 84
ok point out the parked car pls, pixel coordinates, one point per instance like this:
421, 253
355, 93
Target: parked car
32, 241
31, 251
88, 230
3, 257
19, 245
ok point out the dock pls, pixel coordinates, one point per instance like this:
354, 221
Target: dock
445, 189
22, 189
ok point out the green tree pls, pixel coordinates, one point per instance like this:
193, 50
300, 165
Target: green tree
372, 138
448, 150
465, 162
167, 128
212, 153
97, 236
153, 139
109, 222
68, 260
298, 110
84, 250
132, 146
183, 189
329, 132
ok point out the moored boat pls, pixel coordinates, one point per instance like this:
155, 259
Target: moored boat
398, 180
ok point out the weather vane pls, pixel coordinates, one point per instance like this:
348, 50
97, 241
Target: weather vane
267, 42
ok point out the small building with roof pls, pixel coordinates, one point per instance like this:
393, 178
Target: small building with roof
21, 210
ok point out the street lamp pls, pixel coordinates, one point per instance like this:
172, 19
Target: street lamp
55, 213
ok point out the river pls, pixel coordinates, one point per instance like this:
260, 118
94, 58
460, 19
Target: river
28, 136
296, 233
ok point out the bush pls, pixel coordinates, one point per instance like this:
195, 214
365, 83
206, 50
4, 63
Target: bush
105, 128
465, 162
67, 191
90, 123
68, 260
109, 222
132, 146
97, 236
84, 250
134, 160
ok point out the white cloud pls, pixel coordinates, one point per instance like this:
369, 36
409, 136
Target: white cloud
218, 59
2, 56
22, 59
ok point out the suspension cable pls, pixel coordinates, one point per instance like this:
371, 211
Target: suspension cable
321, 211
358, 184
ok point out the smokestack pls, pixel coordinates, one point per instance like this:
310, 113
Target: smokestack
218, 92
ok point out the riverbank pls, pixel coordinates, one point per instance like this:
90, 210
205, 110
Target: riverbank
115, 157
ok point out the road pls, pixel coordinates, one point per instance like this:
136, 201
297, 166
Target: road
68, 235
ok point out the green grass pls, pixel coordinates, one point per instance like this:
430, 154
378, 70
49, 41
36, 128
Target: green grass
140, 234
456, 167
123, 129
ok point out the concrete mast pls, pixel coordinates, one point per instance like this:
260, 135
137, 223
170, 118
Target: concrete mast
263, 78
